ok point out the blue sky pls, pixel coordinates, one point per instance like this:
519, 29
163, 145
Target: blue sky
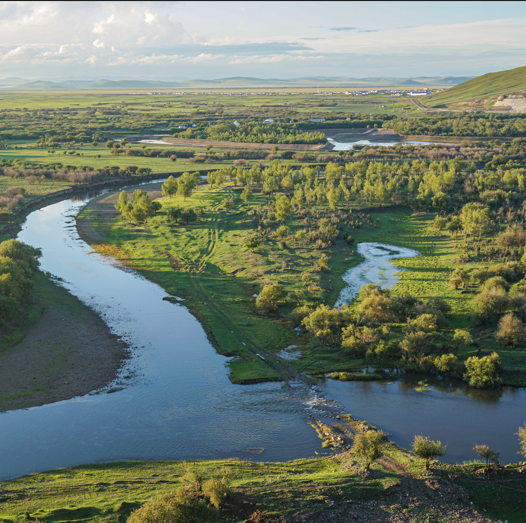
182, 40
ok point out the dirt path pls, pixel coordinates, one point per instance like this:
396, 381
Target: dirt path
68, 352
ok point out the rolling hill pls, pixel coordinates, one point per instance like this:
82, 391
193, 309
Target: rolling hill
18, 84
483, 90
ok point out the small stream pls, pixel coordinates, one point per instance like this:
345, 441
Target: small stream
177, 402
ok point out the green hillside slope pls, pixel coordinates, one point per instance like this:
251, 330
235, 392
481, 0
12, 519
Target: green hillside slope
490, 85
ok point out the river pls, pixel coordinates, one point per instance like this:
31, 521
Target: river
178, 403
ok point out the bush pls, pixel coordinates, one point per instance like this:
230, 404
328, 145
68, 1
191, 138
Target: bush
462, 337
483, 372
375, 304
368, 447
427, 449
522, 439
511, 330
326, 324
449, 364
174, 508
270, 297
487, 454
489, 305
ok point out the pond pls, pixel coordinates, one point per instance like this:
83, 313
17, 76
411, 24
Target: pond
179, 403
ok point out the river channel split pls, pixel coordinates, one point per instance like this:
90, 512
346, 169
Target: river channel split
177, 402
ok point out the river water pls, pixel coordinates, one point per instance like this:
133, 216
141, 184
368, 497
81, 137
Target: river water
178, 403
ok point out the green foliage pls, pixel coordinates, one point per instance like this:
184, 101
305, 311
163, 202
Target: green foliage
487, 454
425, 448
170, 187
17, 264
511, 330
483, 372
450, 365
252, 241
368, 446
270, 298
326, 323
522, 439
174, 508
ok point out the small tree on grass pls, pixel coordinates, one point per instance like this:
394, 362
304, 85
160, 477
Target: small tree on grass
522, 439
511, 330
246, 195
252, 241
368, 447
270, 297
227, 203
487, 454
424, 448
169, 187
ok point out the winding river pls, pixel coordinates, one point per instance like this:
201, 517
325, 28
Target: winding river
177, 402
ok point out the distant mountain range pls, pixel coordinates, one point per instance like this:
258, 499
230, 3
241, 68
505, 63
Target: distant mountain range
238, 82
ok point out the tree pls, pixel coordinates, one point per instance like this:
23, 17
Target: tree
227, 203
184, 189
483, 372
270, 185
283, 208
174, 213
326, 324
270, 297
439, 222
486, 453
489, 305
122, 201
375, 303
368, 446
449, 364
511, 330
169, 187
424, 448
252, 241
522, 439
246, 195
476, 219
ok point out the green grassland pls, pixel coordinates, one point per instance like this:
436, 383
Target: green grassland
490, 85
109, 492
234, 104
206, 264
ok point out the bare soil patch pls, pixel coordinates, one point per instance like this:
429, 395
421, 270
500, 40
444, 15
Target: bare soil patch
68, 352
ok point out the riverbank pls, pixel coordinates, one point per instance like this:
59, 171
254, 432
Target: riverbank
322, 490
62, 349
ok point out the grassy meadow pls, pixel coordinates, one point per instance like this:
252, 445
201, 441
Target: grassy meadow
207, 264
109, 492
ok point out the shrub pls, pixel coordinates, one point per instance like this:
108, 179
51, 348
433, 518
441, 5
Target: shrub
462, 337
423, 323
375, 304
483, 372
494, 283
368, 447
416, 344
270, 297
522, 439
487, 454
424, 448
326, 324
489, 305
174, 508
511, 330
449, 364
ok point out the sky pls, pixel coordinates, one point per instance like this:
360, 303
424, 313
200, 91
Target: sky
207, 40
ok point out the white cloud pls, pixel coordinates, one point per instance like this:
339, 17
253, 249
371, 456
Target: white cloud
204, 57
99, 44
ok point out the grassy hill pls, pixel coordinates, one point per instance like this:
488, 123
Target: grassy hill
487, 86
